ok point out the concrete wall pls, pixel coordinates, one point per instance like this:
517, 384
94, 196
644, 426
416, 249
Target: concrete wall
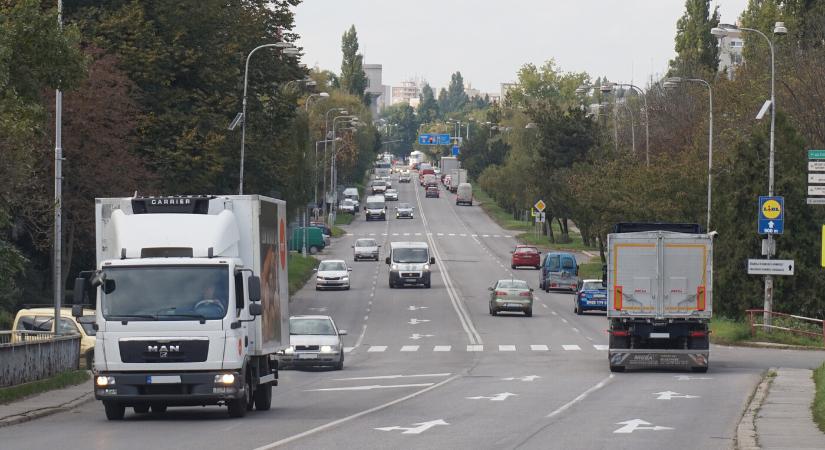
22, 362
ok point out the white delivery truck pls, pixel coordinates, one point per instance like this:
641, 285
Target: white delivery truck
192, 301
660, 290
457, 176
448, 164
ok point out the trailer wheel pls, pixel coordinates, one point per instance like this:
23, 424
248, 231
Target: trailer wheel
114, 410
141, 409
159, 408
617, 368
263, 397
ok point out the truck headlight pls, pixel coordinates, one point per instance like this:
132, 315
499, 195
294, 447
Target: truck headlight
103, 381
426, 267
225, 378
394, 267
289, 350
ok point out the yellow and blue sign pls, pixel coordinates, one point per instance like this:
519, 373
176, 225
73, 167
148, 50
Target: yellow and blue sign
771, 215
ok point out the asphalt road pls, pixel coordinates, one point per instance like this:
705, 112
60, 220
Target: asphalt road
430, 368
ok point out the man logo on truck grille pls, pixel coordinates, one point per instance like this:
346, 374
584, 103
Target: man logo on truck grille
162, 350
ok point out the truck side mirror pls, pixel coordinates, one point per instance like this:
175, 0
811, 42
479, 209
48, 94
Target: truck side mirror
432, 260
255, 309
79, 294
77, 311
253, 286
387, 260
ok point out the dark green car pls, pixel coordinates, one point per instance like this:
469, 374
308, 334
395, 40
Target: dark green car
511, 295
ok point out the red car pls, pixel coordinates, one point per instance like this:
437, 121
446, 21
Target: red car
526, 255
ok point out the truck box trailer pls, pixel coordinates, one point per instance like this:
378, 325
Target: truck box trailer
192, 301
457, 176
448, 164
660, 291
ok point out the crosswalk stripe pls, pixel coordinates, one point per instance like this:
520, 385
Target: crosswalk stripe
451, 234
442, 348
475, 348
485, 235
600, 347
506, 348
440, 234
348, 349
539, 348
463, 235
395, 234
474, 235
571, 347
377, 348
409, 348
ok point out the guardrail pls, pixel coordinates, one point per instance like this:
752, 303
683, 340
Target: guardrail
31, 355
805, 326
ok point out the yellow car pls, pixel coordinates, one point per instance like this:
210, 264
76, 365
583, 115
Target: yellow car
42, 319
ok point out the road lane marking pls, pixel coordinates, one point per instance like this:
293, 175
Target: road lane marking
348, 349
528, 378
409, 348
369, 388
475, 348
576, 330
442, 348
361, 337
495, 398
377, 348
638, 424
554, 313
539, 348
506, 348
600, 347
571, 347
417, 428
417, 321
581, 396
392, 377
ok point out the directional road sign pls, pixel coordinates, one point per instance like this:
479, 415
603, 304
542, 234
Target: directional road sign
771, 215
816, 190
456, 150
816, 178
770, 266
434, 139
816, 166
816, 200
540, 206
816, 154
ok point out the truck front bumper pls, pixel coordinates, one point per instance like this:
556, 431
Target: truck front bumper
170, 388
658, 358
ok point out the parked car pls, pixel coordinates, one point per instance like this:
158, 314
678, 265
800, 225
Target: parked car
432, 191
365, 249
404, 211
314, 341
511, 295
325, 231
559, 271
464, 194
591, 295
30, 322
332, 273
391, 194
347, 206
525, 255
404, 178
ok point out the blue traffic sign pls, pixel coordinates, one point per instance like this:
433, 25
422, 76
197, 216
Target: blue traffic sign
434, 139
771, 215
455, 150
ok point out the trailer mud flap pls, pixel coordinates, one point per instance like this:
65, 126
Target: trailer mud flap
650, 359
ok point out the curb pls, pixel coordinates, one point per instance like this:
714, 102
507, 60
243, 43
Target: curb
746, 434
43, 412
767, 345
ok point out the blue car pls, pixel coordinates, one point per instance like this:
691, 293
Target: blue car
591, 295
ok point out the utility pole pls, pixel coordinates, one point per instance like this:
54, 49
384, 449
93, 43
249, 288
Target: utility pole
58, 192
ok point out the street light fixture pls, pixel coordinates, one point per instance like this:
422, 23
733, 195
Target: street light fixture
779, 29
531, 126
607, 88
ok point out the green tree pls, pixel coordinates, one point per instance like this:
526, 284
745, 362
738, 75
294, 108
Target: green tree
442, 102
696, 51
404, 127
353, 79
427, 109
456, 98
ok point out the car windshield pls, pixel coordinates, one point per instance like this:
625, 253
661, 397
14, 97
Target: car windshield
166, 292
391, 191
512, 284
332, 265
315, 327
592, 285
410, 255
366, 243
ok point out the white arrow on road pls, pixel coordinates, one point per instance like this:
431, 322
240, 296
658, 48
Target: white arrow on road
417, 321
686, 378
669, 395
415, 308
637, 424
496, 398
527, 378
417, 336
417, 428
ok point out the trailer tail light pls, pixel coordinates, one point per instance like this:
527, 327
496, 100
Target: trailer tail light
619, 333
700, 298
699, 333
617, 298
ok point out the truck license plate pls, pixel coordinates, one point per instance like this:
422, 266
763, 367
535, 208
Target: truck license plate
163, 379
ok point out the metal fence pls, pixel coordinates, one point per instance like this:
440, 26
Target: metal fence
790, 323
27, 356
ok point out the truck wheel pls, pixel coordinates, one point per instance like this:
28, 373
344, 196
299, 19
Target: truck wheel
699, 369
237, 406
141, 409
263, 397
617, 368
159, 408
114, 410
313, 250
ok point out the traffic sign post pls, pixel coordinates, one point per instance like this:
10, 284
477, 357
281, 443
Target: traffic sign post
456, 151
816, 154
434, 139
770, 266
540, 206
771, 215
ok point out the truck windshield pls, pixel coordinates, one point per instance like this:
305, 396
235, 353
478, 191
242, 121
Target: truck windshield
167, 293
409, 255
375, 205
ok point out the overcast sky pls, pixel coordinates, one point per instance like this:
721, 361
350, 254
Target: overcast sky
489, 40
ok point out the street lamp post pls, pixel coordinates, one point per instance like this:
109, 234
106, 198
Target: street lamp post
632, 126
333, 168
326, 139
57, 270
609, 88
672, 82
283, 45
321, 95
779, 29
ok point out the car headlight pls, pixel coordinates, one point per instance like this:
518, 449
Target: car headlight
426, 267
394, 267
345, 278
319, 278
327, 349
289, 350
225, 378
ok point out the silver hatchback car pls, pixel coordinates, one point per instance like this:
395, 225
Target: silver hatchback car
365, 249
314, 341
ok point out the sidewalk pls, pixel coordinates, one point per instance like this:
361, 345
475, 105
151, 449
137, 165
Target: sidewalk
45, 404
785, 421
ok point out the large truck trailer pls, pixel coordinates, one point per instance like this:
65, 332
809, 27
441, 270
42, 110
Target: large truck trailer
660, 291
192, 301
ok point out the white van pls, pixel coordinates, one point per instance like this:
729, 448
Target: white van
464, 194
409, 264
352, 194
376, 208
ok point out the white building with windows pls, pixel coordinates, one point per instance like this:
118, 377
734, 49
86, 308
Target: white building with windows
730, 52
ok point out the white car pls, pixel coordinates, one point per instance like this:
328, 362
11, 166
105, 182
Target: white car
314, 341
348, 206
404, 210
391, 194
365, 249
332, 273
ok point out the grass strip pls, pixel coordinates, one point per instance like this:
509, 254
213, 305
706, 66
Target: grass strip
818, 406
300, 270
344, 219
737, 331
59, 381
